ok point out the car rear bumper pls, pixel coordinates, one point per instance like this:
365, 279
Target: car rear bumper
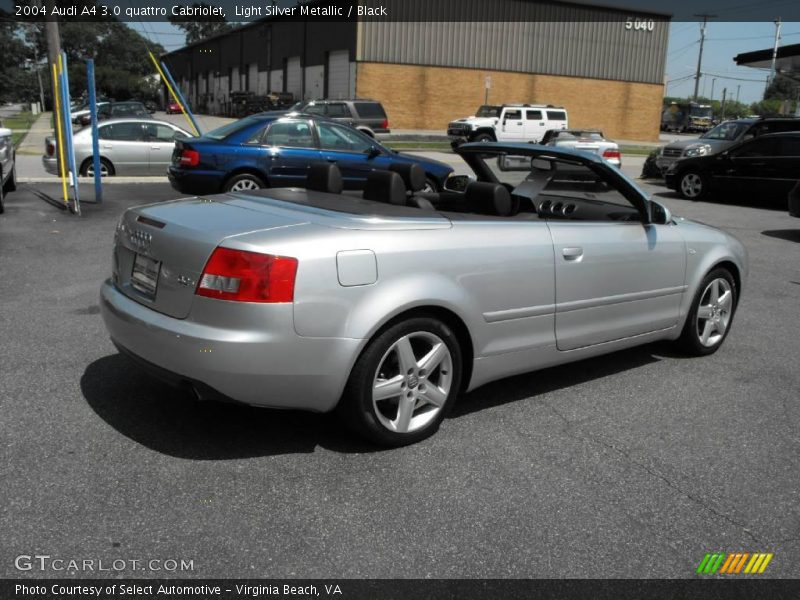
50, 164
194, 182
671, 180
258, 362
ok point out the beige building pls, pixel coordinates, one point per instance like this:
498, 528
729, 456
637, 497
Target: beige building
604, 65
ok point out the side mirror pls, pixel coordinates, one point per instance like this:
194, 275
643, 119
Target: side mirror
457, 183
659, 214
373, 152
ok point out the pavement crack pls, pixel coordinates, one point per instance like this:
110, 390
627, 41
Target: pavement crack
576, 433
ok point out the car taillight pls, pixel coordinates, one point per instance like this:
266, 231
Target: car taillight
50, 149
189, 158
385, 124
248, 277
608, 154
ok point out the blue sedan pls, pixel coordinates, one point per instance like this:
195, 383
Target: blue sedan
275, 150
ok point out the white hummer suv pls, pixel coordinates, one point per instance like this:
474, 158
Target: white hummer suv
509, 123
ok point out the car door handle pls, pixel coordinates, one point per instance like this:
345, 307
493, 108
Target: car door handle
155, 147
572, 253
107, 146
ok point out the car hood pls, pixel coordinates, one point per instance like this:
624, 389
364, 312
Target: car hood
429, 163
716, 145
478, 121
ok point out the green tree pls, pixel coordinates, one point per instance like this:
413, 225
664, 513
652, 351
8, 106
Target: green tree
202, 29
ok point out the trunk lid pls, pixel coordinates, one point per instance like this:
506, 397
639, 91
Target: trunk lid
161, 249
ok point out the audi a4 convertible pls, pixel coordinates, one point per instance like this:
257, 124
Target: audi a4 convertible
387, 304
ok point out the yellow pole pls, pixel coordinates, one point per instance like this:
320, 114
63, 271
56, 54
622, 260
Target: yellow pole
171, 91
62, 166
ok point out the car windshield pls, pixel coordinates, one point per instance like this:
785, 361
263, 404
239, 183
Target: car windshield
488, 111
227, 130
297, 107
725, 131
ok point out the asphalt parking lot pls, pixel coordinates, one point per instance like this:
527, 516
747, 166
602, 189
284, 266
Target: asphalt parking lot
631, 465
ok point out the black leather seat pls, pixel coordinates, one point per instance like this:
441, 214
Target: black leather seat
413, 175
488, 198
324, 177
385, 186
414, 178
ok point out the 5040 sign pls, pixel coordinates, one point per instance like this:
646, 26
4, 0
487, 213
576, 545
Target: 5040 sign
640, 24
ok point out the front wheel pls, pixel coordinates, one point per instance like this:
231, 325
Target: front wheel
711, 314
404, 382
483, 137
692, 185
106, 168
11, 182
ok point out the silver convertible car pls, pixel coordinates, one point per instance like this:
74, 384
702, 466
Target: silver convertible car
388, 305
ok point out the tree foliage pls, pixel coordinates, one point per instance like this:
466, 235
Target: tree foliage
123, 69
197, 30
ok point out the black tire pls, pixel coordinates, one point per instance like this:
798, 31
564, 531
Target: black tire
691, 340
243, 182
88, 165
483, 137
692, 185
430, 186
11, 183
2, 194
373, 419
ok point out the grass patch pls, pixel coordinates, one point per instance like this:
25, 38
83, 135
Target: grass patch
21, 121
442, 146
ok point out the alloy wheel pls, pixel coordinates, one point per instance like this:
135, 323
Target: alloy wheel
412, 382
245, 185
692, 185
714, 312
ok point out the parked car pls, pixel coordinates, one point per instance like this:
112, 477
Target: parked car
173, 108
8, 165
794, 200
588, 140
387, 307
78, 115
118, 110
766, 166
151, 106
723, 136
367, 116
127, 147
274, 149
509, 123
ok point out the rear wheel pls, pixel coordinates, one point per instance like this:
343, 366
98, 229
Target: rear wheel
404, 383
711, 314
692, 185
244, 182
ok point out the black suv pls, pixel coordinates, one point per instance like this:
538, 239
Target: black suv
367, 116
722, 137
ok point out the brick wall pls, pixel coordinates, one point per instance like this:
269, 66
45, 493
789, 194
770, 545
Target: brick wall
417, 97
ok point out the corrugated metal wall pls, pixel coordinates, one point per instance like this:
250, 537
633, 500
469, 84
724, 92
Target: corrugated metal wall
595, 49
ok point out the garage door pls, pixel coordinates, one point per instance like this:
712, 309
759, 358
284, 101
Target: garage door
338, 74
294, 76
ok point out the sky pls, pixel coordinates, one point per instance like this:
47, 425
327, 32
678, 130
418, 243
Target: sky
724, 40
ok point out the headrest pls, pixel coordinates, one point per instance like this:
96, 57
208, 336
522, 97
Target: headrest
413, 175
324, 177
385, 186
489, 199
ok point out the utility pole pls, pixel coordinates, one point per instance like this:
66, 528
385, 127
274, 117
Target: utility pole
53, 53
738, 87
774, 53
713, 82
705, 17
724, 93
